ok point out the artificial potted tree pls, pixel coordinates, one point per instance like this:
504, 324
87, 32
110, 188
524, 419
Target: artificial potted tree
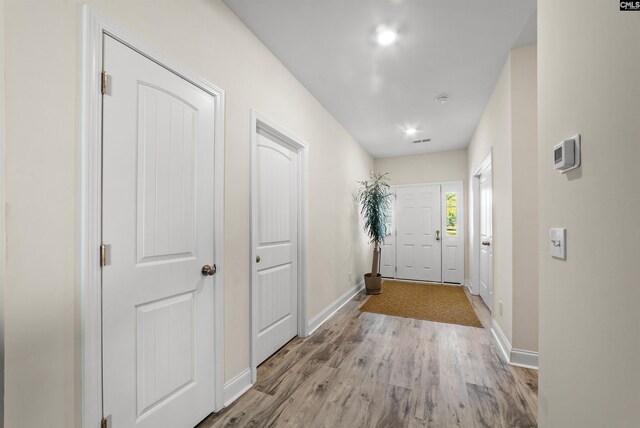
375, 201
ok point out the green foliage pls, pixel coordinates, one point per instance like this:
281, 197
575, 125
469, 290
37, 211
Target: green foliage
375, 201
452, 210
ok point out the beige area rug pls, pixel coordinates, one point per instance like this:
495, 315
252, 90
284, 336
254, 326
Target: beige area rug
423, 301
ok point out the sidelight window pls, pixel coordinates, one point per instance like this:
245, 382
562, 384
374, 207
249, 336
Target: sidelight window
452, 213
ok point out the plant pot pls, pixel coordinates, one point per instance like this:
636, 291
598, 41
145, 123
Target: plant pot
373, 284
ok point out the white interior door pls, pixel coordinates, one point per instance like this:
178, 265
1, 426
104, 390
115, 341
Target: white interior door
388, 250
452, 233
486, 239
275, 240
158, 218
419, 250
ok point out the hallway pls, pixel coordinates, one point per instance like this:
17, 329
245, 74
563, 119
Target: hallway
364, 370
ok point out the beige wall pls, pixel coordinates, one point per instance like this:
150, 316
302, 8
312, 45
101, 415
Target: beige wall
430, 168
427, 168
509, 127
43, 73
589, 316
2, 217
494, 131
524, 150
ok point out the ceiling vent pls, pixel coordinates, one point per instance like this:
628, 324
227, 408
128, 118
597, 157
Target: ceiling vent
425, 140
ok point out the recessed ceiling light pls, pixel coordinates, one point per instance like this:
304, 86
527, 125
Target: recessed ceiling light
410, 131
442, 99
386, 36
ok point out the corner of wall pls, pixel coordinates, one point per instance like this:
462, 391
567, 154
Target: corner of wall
508, 127
524, 146
2, 211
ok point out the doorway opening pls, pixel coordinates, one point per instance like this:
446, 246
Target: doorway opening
118, 304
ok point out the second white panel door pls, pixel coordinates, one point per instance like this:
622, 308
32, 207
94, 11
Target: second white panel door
486, 238
276, 245
419, 253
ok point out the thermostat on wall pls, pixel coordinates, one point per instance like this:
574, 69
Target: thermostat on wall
566, 155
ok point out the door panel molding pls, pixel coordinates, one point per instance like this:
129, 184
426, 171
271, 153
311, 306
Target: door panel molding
263, 125
94, 28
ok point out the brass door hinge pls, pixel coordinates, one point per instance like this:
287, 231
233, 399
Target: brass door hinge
106, 422
105, 255
104, 82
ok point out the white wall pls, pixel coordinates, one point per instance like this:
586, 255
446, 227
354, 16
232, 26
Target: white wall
43, 74
430, 168
509, 127
589, 316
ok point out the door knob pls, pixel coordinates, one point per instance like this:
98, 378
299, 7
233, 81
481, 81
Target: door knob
258, 259
437, 235
486, 243
209, 270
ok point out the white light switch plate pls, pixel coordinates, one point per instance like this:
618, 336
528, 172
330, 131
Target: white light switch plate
557, 242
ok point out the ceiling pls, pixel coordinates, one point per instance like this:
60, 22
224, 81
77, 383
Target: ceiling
452, 47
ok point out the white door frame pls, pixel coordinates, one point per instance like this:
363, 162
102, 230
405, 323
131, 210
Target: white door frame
302, 149
90, 210
434, 183
474, 232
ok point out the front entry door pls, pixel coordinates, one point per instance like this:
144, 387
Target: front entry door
419, 252
275, 237
486, 239
158, 220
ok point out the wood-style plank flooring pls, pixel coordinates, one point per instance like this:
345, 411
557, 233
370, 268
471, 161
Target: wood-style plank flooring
369, 370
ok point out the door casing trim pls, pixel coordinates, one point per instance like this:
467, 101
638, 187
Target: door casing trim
302, 149
88, 273
474, 221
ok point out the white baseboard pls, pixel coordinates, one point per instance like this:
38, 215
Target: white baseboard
515, 357
526, 359
237, 386
328, 312
501, 340
469, 285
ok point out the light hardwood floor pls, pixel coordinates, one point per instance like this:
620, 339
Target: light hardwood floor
369, 370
